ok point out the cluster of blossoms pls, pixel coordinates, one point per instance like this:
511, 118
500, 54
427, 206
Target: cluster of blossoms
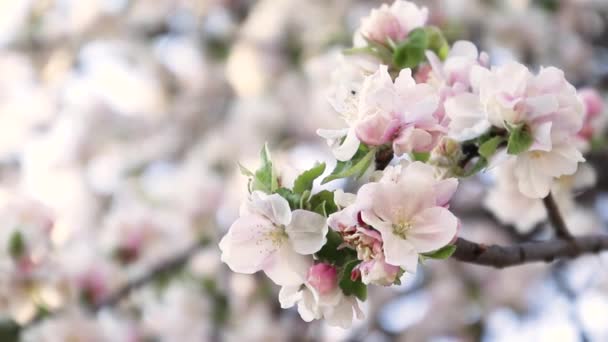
419, 115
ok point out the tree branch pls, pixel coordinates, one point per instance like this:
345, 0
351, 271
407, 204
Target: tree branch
556, 219
171, 264
527, 252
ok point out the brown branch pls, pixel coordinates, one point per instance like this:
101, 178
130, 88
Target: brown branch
527, 252
556, 219
174, 263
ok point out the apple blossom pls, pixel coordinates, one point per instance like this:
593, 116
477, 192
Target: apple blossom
268, 236
410, 214
399, 112
393, 22
321, 297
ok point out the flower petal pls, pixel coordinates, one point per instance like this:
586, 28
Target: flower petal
246, 247
432, 229
274, 207
307, 231
286, 267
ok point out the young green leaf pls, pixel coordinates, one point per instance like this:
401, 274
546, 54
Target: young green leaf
488, 148
410, 52
265, 178
421, 156
323, 203
305, 180
437, 42
16, 244
520, 140
292, 198
442, 253
355, 167
350, 287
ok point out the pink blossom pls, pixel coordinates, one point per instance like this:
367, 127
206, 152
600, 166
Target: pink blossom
594, 106
323, 277
394, 22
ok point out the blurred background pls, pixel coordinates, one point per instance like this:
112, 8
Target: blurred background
121, 125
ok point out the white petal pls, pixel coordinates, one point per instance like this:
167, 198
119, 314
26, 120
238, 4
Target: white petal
400, 252
274, 207
287, 268
307, 231
341, 315
344, 199
348, 148
247, 246
432, 229
289, 296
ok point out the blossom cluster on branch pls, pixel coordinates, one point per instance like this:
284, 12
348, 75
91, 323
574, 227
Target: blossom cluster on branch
419, 114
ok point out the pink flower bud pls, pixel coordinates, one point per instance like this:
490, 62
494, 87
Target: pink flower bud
323, 277
594, 104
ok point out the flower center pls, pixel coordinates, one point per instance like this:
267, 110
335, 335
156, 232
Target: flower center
401, 229
278, 236
536, 154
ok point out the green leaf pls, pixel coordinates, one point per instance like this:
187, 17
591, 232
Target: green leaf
323, 203
520, 139
292, 198
305, 180
488, 148
410, 52
16, 245
331, 254
442, 253
479, 165
350, 287
265, 178
355, 167
437, 42
245, 171
421, 156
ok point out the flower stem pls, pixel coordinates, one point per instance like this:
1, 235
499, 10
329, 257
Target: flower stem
556, 219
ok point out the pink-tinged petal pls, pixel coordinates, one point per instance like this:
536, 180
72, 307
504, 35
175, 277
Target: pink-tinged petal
274, 207
247, 246
531, 181
400, 252
349, 146
413, 140
467, 119
398, 203
463, 48
542, 137
477, 75
377, 129
549, 80
377, 223
286, 267
541, 105
444, 190
432, 229
562, 160
307, 231
435, 64
594, 104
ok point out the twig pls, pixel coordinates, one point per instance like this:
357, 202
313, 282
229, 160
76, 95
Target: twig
168, 265
556, 219
527, 252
